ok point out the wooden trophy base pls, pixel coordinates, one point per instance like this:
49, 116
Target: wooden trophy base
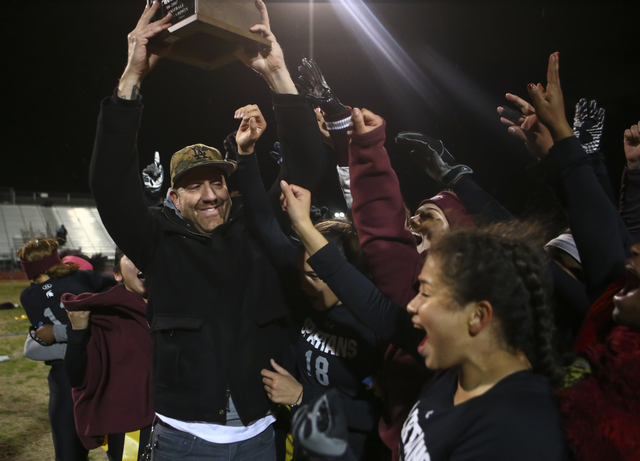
205, 33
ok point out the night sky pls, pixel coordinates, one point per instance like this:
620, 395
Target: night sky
62, 57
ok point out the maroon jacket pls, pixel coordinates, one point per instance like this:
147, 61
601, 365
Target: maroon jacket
379, 217
602, 412
115, 394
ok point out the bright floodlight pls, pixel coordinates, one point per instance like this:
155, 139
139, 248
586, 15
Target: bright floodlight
399, 70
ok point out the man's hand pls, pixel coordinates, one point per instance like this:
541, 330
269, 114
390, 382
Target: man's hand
281, 387
141, 59
528, 128
251, 128
549, 102
632, 146
296, 201
363, 121
267, 61
79, 319
45, 334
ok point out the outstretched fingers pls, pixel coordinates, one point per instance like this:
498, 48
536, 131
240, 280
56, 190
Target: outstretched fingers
264, 14
264, 27
148, 13
145, 24
553, 72
524, 106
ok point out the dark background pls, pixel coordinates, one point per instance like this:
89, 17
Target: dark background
61, 57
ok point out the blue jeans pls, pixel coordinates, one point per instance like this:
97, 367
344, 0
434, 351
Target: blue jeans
171, 444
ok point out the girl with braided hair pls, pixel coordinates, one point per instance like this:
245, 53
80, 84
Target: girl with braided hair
483, 303
482, 320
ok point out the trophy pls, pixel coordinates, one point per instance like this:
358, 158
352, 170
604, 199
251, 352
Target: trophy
205, 33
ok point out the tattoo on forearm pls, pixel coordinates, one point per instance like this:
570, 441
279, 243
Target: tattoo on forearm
135, 92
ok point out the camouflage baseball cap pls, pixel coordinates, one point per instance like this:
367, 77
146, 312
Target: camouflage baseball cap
198, 155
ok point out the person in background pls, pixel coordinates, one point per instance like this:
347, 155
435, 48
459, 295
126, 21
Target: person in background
483, 308
600, 404
108, 364
334, 349
61, 235
50, 279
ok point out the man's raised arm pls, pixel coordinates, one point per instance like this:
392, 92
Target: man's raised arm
268, 62
302, 148
114, 173
142, 57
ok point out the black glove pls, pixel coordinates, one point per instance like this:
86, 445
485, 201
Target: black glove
587, 124
431, 154
315, 89
153, 175
230, 147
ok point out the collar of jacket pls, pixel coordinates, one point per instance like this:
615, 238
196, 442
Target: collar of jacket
236, 212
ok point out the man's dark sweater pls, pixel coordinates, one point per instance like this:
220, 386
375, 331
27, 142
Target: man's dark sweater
216, 306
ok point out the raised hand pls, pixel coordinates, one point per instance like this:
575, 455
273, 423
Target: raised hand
587, 124
267, 61
363, 121
296, 201
141, 57
528, 128
230, 147
79, 319
549, 102
281, 387
153, 175
316, 89
251, 128
632, 146
433, 157
322, 125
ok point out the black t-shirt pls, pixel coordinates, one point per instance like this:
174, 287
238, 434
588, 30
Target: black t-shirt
41, 301
517, 419
335, 350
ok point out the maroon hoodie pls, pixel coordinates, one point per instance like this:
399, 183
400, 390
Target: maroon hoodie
115, 395
379, 218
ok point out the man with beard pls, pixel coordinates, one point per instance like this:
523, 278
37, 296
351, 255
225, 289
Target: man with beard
215, 307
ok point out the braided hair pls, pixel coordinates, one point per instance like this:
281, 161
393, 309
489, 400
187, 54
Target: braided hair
502, 265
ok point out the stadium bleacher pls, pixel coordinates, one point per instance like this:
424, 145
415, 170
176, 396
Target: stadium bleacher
19, 223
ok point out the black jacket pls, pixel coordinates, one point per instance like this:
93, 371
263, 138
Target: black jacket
215, 306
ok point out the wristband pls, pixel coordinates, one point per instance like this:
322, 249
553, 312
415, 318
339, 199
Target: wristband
339, 125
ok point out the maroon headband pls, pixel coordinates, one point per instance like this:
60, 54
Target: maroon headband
35, 268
